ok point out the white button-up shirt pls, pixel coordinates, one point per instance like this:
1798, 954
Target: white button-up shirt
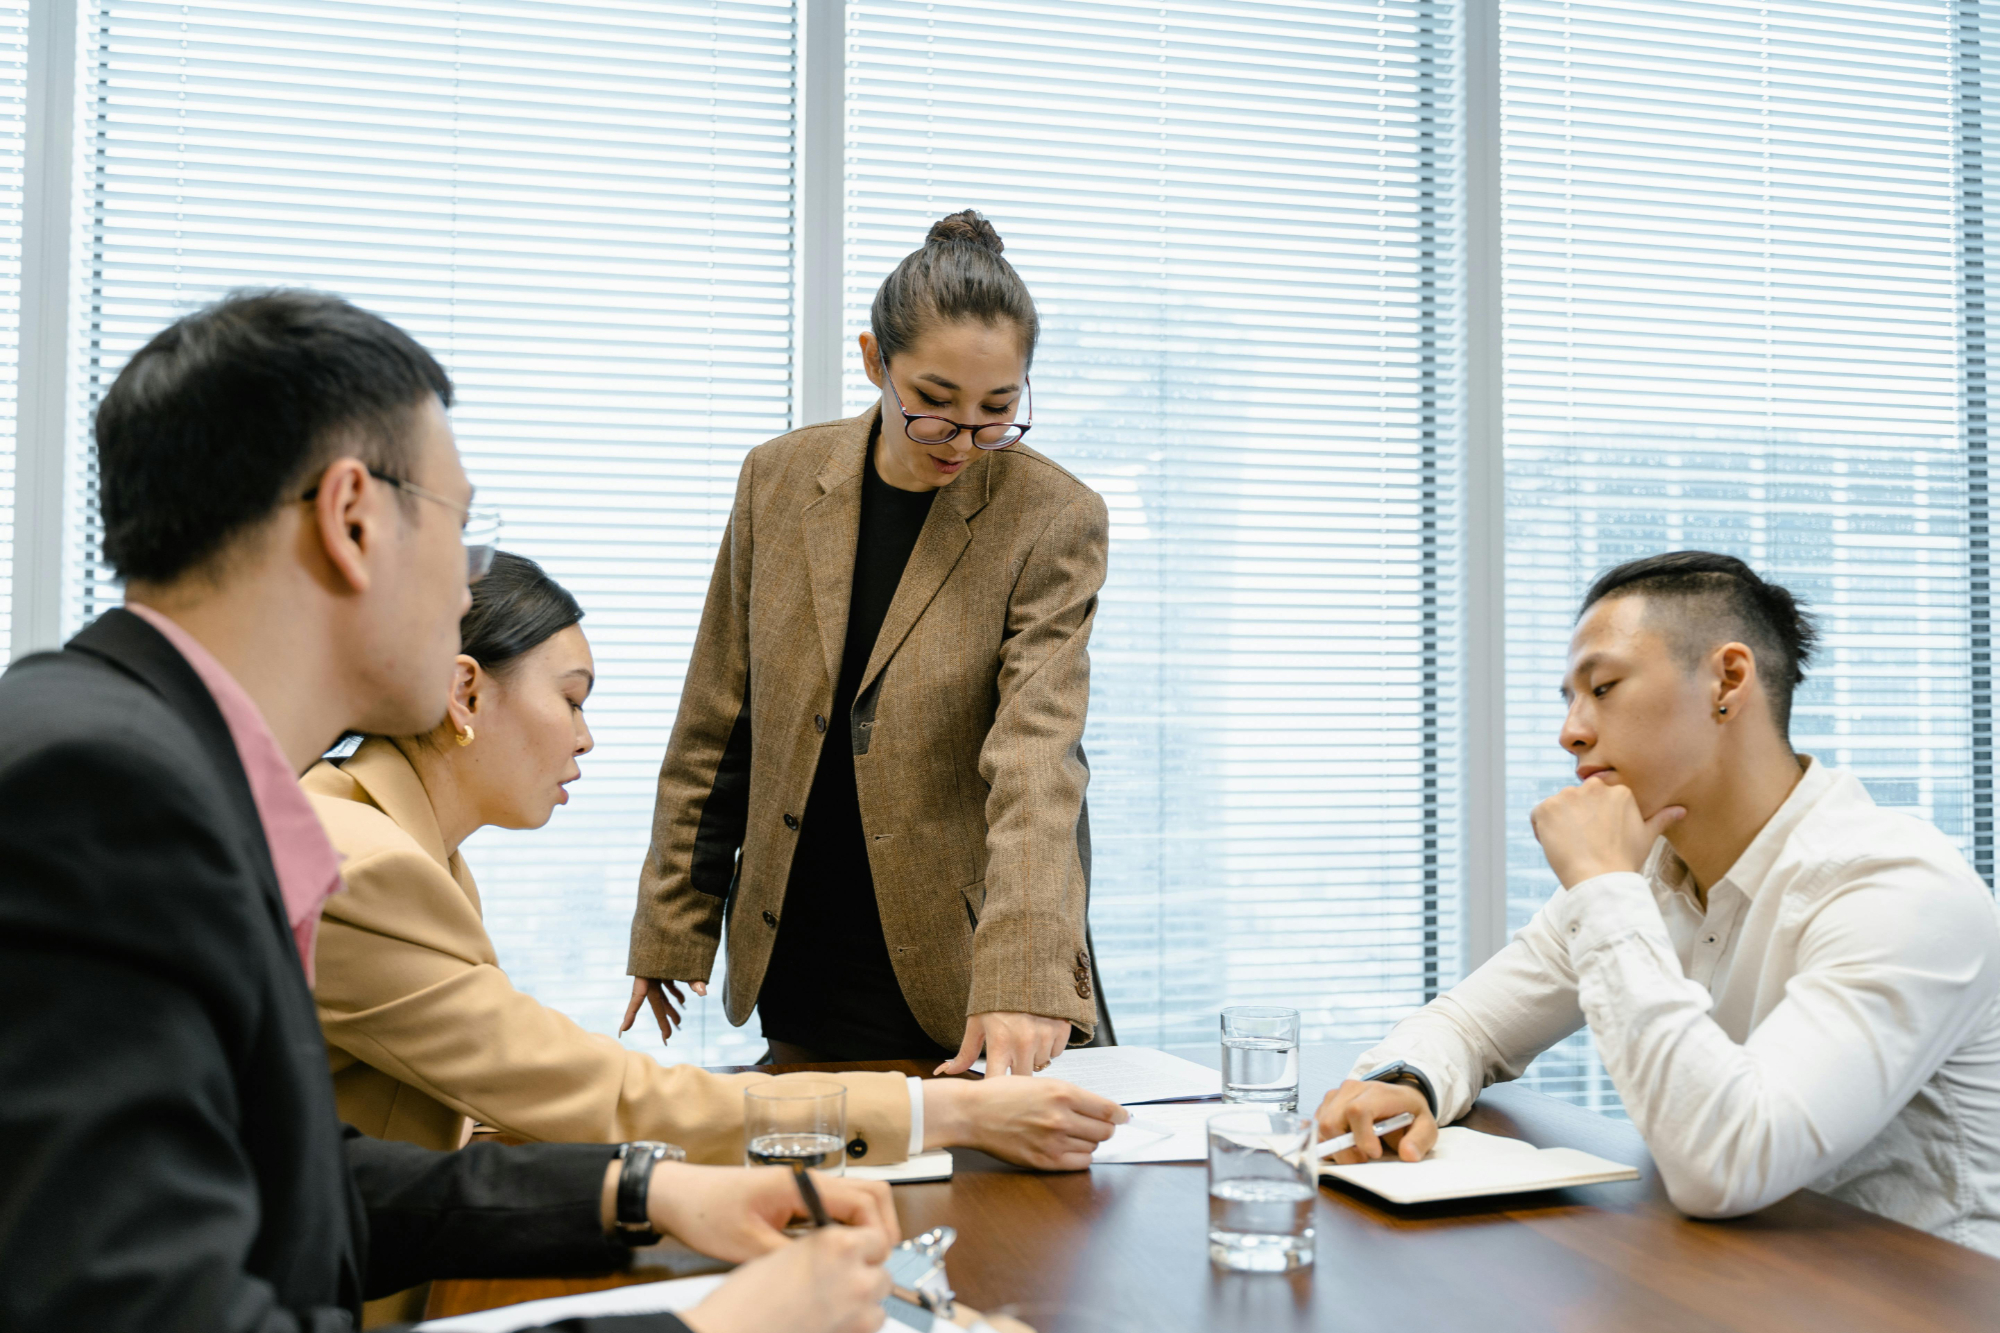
1831, 1018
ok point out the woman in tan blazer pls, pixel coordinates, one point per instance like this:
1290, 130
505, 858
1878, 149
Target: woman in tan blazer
424, 1030
875, 778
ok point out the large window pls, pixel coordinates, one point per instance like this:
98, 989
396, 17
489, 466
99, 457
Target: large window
1732, 324
585, 210
1240, 224
1744, 308
13, 94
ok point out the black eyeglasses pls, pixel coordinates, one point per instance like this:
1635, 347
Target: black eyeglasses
925, 428
479, 529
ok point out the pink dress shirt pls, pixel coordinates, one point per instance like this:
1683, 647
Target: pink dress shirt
308, 867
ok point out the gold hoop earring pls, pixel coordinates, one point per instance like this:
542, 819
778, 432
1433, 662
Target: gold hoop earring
465, 737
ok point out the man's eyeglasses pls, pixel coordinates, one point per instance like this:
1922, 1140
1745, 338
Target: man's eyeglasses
479, 529
925, 428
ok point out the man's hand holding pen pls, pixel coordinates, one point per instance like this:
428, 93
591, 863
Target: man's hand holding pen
831, 1281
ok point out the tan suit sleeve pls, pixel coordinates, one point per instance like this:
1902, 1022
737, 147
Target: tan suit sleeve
407, 983
1029, 945
703, 800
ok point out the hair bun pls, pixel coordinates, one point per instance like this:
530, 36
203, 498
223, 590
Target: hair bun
966, 228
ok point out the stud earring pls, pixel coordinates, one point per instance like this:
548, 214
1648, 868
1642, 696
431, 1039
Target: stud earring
1722, 711
465, 737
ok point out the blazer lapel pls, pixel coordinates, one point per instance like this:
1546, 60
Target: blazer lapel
832, 527
391, 782
946, 534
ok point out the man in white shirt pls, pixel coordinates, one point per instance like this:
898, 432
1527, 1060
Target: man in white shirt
1790, 986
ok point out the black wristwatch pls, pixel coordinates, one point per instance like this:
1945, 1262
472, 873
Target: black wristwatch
1402, 1071
635, 1181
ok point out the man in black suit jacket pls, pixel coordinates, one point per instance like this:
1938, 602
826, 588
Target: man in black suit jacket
279, 482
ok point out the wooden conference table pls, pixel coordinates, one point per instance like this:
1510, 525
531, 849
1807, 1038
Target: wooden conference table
1125, 1248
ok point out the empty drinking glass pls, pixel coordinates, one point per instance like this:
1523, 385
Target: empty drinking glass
1261, 1190
796, 1120
1260, 1056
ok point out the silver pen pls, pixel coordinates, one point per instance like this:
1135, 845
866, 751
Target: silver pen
1345, 1141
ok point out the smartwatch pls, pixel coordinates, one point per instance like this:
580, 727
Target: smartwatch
635, 1181
1402, 1071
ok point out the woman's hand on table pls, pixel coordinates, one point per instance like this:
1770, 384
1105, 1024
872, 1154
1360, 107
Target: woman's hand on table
737, 1214
1039, 1122
1354, 1107
1015, 1043
831, 1281
646, 990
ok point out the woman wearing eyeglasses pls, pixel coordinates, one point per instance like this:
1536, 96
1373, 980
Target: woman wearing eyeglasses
875, 778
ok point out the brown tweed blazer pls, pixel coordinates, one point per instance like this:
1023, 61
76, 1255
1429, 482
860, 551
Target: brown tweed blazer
967, 733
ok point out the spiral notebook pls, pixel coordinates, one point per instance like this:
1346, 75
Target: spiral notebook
1466, 1164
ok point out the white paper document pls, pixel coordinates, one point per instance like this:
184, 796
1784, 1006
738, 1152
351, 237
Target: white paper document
1466, 1164
1132, 1075
1162, 1132
639, 1298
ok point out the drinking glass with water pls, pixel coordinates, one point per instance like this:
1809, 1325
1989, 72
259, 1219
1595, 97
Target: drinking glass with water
1260, 1056
1261, 1190
796, 1121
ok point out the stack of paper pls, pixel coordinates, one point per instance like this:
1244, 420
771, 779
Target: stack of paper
932, 1165
1132, 1075
1166, 1132
639, 1298
1466, 1164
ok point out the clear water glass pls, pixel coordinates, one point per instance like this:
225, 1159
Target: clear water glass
1260, 1056
796, 1121
1261, 1191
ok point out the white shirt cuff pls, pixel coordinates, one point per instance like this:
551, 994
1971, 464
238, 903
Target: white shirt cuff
916, 1116
1602, 909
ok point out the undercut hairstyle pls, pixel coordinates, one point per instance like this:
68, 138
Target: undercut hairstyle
1699, 599
516, 608
234, 410
959, 275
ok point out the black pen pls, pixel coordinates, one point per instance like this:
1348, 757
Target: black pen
810, 1193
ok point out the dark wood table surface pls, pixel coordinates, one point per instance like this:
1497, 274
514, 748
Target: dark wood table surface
1125, 1248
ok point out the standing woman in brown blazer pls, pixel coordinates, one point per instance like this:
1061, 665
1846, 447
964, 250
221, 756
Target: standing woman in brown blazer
875, 777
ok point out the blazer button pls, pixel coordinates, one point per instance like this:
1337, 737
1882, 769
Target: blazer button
819, 723
770, 918
857, 1148
1082, 988
792, 823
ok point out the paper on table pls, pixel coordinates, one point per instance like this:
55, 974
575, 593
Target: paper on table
640, 1298
1132, 1075
1466, 1164
1166, 1132
933, 1165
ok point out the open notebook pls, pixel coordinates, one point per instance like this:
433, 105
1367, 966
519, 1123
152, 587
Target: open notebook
1466, 1164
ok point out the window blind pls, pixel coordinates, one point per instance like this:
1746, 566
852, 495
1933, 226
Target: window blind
13, 108
585, 210
1731, 323
1240, 224
1978, 55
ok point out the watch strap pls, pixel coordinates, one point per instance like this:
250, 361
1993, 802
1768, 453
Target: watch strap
1402, 1071
635, 1180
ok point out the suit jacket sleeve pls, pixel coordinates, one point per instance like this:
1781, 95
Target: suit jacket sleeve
703, 801
408, 984
1028, 950
126, 1200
